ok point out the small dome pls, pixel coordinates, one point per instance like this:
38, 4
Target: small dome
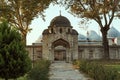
46, 31
60, 21
74, 32
113, 32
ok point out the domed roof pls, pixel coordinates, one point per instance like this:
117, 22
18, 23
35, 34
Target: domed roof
93, 36
74, 32
46, 31
82, 37
113, 32
60, 21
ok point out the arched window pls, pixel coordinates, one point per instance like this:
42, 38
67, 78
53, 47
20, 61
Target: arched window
52, 31
60, 30
68, 30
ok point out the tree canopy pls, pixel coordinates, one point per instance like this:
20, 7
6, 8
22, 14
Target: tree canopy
21, 12
94, 9
14, 60
102, 11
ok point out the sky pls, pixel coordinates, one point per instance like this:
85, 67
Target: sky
38, 25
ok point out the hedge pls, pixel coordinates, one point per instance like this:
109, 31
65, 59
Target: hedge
98, 71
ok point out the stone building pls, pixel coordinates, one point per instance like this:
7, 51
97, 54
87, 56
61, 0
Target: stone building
61, 42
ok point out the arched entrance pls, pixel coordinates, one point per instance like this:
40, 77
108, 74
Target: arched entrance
59, 53
61, 50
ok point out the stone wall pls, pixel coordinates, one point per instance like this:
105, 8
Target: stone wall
84, 52
35, 52
96, 52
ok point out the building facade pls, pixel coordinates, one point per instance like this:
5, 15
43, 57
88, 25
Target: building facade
60, 42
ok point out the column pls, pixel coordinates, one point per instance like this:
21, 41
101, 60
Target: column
67, 55
52, 54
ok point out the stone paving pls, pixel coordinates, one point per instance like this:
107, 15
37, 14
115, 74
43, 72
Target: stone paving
65, 71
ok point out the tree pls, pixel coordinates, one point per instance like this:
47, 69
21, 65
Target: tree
102, 11
21, 12
14, 60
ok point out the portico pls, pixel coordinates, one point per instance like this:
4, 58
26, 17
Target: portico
60, 41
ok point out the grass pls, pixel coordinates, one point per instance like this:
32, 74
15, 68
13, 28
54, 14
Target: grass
21, 78
114, 67
101, 69
112, 64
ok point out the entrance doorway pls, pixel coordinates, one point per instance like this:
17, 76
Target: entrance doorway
60, 53
59, 56
60, 50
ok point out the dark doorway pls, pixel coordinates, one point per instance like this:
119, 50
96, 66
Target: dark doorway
60, 55
61, 48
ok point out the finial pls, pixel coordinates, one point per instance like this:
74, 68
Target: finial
60, 12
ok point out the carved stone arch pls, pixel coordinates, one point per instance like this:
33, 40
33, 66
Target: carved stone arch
61, 42
61, 50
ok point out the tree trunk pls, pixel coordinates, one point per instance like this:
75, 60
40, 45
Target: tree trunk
104, 31
24, 38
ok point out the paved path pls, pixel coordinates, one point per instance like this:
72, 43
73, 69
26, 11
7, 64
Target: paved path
65, 71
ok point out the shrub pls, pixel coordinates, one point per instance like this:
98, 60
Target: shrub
98, 72
14, 60
39, 71
76, 62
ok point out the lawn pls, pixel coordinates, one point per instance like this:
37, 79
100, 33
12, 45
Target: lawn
113, 64
114, 67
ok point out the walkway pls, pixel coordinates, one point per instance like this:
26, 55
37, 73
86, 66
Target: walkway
65, 71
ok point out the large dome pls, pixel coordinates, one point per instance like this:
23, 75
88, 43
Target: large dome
60, 21
39, 40
113, 32
81, 37
93, 36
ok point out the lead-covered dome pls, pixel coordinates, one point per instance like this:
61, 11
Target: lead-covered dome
93, 36
60, 21
113, 33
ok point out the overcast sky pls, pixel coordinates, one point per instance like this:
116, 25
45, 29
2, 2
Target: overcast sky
38, 25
